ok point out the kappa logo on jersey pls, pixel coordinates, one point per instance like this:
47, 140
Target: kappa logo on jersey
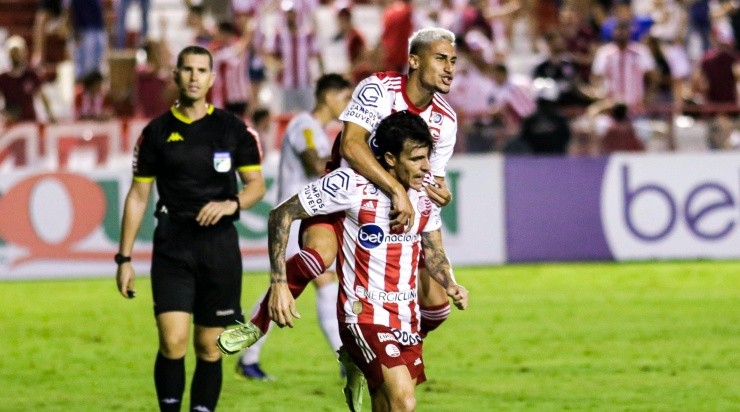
424, 205
371, 236
175, 137
334, 182
370, 94
436, 118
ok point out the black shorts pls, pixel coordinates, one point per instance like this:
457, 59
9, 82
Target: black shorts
197, 270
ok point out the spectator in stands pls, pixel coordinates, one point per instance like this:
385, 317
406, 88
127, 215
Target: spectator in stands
231, 88
195, 21
580, 40
725, 15
20, 85
85, 18
49, 35
510, 101
621, 14
471, 94
669, 32
620, 136
716, 77
356, 46
155, 90
249, 14
398, 25
291, 51
121, 12
559, 67
445, 14
91, 99
261, 122
621, 69
699, 22
545, 131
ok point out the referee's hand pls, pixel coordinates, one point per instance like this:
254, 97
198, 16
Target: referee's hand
125, 280
212, 212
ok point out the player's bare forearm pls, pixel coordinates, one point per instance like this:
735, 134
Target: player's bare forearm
439, 268
278, 230
435, 258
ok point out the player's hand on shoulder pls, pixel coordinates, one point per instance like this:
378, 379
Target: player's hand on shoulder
213, 211
439, 193
459, 296
402, 212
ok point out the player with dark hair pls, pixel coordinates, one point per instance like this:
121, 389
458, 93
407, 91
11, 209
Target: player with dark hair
432, 58
304, 151
377, 305
194, 152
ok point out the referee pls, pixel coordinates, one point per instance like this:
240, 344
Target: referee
194, 152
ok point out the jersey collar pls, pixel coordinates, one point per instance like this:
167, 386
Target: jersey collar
183, 118
412, 108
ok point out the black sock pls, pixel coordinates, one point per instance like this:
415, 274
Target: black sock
206, 385
169, 380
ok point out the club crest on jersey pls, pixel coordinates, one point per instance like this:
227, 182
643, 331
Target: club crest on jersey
424, 205
222, 161
335, 181
392, 350
436, 118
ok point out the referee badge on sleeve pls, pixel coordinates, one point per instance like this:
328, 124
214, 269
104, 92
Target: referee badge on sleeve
222, 161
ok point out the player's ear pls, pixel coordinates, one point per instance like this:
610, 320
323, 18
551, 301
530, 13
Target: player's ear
390, 160
413, 61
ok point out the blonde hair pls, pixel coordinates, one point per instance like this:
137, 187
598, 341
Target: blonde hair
424, 37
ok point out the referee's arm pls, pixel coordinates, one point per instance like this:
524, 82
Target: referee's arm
133, 213
254, 186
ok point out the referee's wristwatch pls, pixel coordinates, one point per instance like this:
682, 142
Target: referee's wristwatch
120, 258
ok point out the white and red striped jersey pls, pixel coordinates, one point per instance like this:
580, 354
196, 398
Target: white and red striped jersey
623, 71
377, 266
514, 99
295, 50
384, 93
232, 82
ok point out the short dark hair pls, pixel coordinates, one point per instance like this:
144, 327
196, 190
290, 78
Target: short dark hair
395, 130
330, 81
194, 50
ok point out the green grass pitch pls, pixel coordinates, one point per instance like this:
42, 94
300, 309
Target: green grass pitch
577, 337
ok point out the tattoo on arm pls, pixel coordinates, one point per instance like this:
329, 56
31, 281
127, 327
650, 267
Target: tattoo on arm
278, 230
435, 258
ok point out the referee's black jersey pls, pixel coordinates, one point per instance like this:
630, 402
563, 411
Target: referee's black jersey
194, 162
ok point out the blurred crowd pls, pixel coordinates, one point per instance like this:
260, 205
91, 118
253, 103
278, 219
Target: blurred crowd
571, 76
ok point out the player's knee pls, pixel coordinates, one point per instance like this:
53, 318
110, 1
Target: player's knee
173, 348
403, 401
323, 241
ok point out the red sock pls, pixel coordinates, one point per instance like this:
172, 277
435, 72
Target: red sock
432, 317
300, 270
